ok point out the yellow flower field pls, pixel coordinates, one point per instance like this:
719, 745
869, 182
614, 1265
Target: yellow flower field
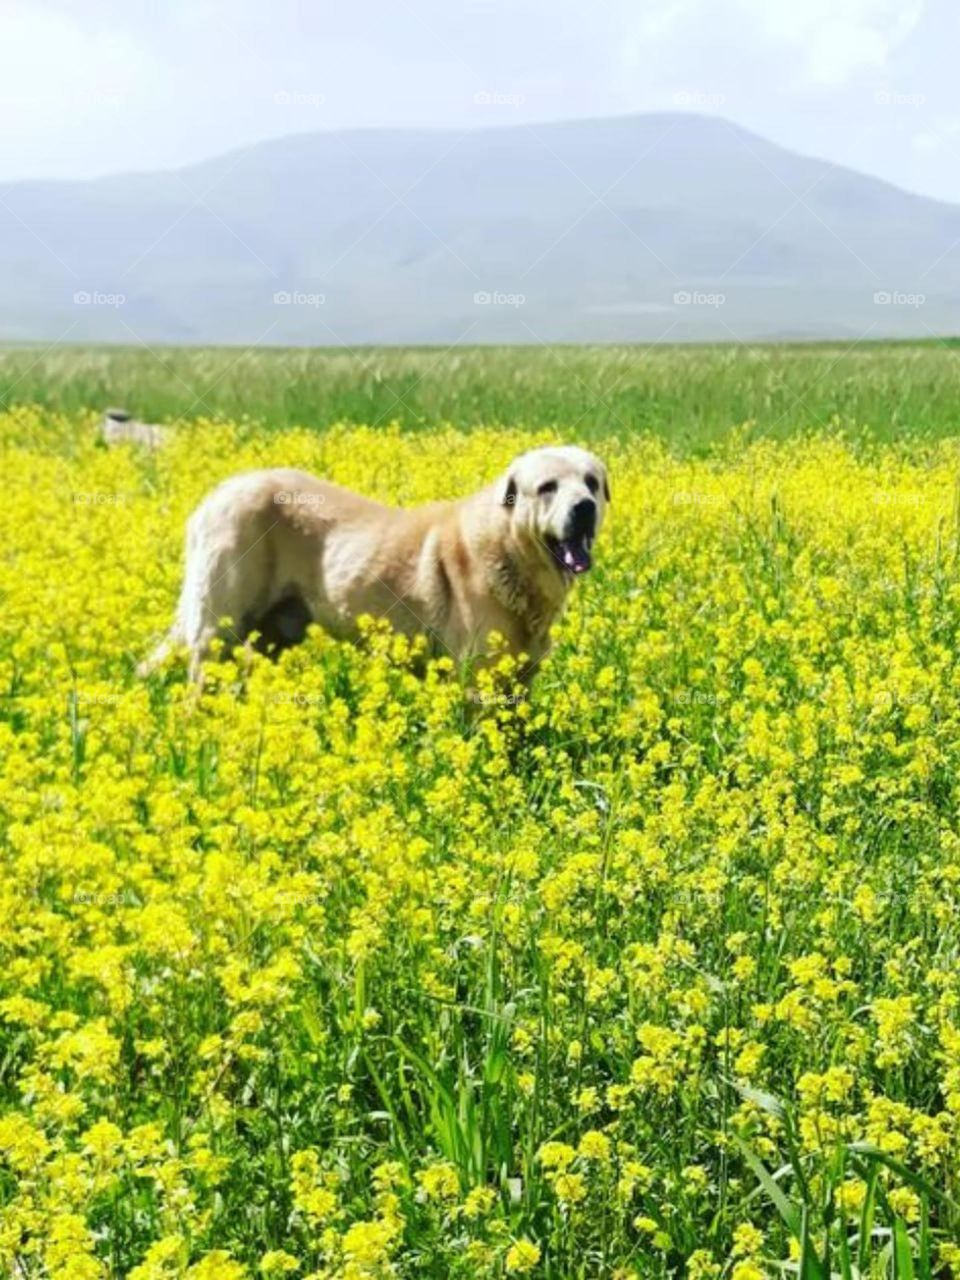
318, 975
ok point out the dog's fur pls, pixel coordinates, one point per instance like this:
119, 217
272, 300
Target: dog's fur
275, 550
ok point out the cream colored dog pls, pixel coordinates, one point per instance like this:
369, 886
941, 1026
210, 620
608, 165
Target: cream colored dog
118, 427
275, 550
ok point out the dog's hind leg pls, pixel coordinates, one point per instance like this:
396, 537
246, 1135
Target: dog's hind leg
208, 597
172, 640
204, 600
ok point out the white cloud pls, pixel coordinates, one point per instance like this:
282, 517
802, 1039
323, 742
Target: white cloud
100, 87
49, 61
60, 82
834, 40
744, 52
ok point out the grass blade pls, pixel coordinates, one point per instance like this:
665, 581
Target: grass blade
902, 1255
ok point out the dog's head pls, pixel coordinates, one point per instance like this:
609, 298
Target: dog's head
556, 499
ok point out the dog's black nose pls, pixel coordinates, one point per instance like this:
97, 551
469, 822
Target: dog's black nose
583, 518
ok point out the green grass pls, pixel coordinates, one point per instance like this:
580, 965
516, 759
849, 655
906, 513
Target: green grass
689, 395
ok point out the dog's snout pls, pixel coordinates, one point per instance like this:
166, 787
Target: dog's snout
583, 517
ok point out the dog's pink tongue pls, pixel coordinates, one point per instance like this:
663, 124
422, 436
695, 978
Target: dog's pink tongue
576, 557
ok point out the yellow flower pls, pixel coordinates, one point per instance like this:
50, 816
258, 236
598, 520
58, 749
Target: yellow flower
747, 1240
695, 1177
439, 1182
526, 1081
894, 1017
165, 1258
276, 1262
594, 1146
587, 1100
701, 1266
314, 1199
369, 1243
103, 1140
905, 1203
851, 1195
570, 1188
556, 1155
747, 1061
746, 1271
523, 1255
216, 1265
479, 1202
22, 1145
327, 899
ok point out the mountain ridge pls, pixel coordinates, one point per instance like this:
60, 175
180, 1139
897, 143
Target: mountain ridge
666, 226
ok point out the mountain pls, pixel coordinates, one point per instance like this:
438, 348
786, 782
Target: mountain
668, 227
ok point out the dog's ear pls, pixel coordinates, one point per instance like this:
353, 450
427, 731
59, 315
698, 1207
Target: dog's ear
507, 491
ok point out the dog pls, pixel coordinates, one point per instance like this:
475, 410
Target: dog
273, 551
119, 427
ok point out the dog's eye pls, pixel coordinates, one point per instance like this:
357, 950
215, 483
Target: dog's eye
548, 486
592, 483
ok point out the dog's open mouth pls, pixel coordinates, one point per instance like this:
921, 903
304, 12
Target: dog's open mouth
572, 554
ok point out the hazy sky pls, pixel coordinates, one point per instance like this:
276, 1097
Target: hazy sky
99, 86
